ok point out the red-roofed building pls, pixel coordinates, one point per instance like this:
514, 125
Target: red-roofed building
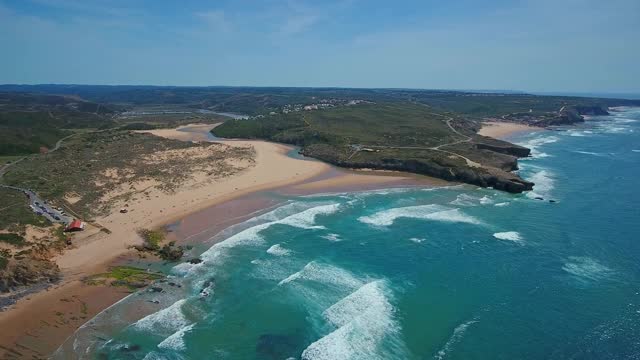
75, 225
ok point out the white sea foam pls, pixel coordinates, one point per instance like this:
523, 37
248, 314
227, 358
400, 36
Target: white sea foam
176, 340
362, 320
544, 184
636, 151
485, 200
251, 236
323, 273
184, 268
307, 218
278, 250
457, 335
168, 320
535, 143
465, 200
417, 240
509, 236
332, 237
589, 153
501, 204
425, 212
576, 133
586, 269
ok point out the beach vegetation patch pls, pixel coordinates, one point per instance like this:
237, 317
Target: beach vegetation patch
152, 238
125, 276
13, 239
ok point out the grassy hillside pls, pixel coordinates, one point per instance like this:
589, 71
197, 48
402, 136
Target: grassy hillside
395, 136
370, 124
29, 122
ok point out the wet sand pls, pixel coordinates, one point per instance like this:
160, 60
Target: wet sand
38, 325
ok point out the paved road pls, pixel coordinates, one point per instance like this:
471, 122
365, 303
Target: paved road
41, 207
36, 204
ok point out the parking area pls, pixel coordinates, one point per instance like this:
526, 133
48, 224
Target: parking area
42, 208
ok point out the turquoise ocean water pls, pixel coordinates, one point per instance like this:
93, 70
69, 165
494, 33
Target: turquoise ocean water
448, 273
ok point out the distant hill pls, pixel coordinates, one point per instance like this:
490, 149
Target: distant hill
30, 122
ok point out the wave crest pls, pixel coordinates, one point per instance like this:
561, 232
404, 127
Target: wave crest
363, 320
425, 212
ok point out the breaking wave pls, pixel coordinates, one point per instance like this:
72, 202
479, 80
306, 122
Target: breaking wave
468, 200
168, 320
278, 250
510, 236
323, 273
536, 143
425, 212
363, 320
457, 335
586, 269
544, 184
589, 153
304, 220
176, 340
332, 237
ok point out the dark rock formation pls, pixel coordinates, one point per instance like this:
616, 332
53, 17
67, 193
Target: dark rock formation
591, 110
502, 147
568, 115
481, 176
27, 272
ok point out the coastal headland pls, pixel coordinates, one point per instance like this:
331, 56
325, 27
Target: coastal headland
38, 323
147, 174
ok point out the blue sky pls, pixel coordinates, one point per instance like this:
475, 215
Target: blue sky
532, 45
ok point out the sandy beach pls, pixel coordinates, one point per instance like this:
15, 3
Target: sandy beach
36, 325
500, 130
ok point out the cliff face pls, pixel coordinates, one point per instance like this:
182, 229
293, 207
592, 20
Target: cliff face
502, 147
566, 116
591, 110
441, 168
27, 272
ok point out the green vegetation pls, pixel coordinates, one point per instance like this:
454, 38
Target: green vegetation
401, 124
170, 252
394, 136
13, 239
125, 276
103, 168
7, 159
152, 238
15, 212
147, 118
24, 133
29, 123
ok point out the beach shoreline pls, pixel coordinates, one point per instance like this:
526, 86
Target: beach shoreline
39, 323
503, 130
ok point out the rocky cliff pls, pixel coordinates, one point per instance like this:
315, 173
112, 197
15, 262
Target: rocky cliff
23, 272
591, 110
447, 167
